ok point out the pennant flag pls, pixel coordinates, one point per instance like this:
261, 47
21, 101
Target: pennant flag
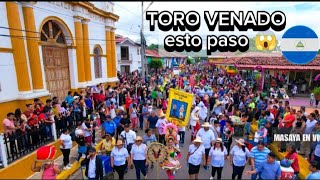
299, 45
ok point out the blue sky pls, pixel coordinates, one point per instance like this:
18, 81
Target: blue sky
297, 13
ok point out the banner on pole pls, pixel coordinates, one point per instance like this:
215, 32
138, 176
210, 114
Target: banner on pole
179, 107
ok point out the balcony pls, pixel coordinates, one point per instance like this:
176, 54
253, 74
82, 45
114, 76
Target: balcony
125, 60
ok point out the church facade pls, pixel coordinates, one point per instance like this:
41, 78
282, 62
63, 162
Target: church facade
49, 48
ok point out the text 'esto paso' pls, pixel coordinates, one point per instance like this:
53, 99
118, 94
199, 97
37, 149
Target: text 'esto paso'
225, 20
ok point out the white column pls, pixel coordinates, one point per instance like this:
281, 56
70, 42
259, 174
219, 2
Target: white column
4, 157
53, 129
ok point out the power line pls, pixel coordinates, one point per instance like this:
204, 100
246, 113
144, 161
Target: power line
69, 16
127, 9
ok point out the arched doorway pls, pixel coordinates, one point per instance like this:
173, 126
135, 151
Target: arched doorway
55, 59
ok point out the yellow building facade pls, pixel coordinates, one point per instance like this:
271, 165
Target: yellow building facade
49, 48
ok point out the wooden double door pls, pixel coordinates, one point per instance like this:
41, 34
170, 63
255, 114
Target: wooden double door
56, 68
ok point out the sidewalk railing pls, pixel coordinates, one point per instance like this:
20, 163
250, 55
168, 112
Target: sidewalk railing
18, 144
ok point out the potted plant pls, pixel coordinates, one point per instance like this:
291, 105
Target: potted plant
316, 92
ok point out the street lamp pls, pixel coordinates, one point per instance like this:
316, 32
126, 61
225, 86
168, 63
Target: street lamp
143, 50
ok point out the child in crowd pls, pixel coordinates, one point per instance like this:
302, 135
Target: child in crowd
182, 132
312, 98
82, 149
269, 133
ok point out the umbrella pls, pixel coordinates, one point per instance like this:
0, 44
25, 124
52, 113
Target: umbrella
317, 78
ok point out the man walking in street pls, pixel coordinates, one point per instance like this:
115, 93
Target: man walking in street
94, 169
207, 137
162, 121
258, 156
269, 170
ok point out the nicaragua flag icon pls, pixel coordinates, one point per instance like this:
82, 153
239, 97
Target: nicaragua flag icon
299, 45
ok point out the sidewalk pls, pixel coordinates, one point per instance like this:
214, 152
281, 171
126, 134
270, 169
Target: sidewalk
73, 156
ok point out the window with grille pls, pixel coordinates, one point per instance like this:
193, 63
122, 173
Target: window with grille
52, 32
124, 53
97, 62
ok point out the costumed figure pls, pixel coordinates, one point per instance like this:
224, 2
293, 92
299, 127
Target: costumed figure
194, 122
171, 164
45, 156
171, 132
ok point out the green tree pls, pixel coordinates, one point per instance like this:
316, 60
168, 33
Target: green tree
156, 64
153, 46
189, 61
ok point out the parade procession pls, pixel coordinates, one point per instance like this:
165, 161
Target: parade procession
123, 90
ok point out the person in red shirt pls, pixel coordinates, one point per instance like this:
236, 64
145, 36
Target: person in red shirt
38, 104
293, 156
289, 119
101, 97
33, 121
38, 109
30, 110
128, 102
288, 122
274, 110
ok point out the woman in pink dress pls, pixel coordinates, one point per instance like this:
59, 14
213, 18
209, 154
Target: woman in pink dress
48, 170
172, 164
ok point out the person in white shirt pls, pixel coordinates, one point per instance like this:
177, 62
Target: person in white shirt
238, 159
310, 124
119, 156
162, 121
207, 137
203, 112
216, 128
93, 164
139, 156
86, 127
196, 153
65, 147
194, 119
312, 98
128, 136
217, 156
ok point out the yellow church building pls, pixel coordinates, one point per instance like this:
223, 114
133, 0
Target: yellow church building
49, 48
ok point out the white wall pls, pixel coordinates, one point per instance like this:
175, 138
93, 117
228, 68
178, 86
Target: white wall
96, 27
5, 42
133, 52
8, 77
97, 36
104, 5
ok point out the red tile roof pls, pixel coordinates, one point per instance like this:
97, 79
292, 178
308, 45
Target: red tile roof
267, 62
120, 39
152, 53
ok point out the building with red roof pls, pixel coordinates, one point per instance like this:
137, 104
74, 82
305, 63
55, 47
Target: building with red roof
128, 54
273, 65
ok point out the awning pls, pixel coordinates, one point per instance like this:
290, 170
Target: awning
281, 67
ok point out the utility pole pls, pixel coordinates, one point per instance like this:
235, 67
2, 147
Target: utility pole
144, 68
143, 52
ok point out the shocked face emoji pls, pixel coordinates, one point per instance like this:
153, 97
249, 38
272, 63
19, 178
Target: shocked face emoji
266, 40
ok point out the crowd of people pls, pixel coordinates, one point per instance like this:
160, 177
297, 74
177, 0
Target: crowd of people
137, 104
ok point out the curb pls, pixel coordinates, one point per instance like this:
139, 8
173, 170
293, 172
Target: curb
303, 163
75, 167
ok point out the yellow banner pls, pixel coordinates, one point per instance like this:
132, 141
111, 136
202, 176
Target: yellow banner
179, 107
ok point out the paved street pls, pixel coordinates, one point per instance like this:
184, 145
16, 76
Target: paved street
181, 174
